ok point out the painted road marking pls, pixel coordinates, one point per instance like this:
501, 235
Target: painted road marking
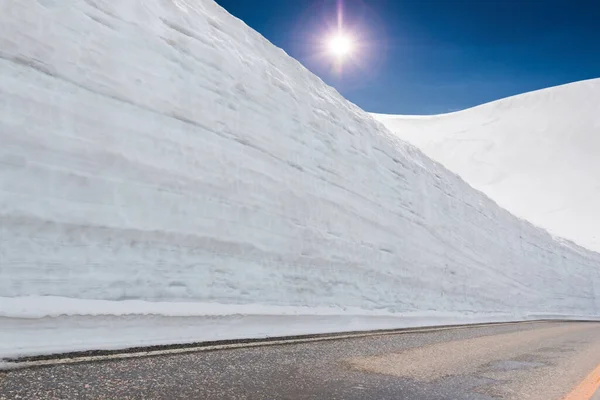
192, 349
587, 388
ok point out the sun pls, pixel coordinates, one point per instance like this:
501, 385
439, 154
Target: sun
340, 45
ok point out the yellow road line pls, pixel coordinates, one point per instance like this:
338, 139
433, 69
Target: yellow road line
586, 389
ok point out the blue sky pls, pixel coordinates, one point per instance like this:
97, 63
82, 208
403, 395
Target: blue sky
434, 56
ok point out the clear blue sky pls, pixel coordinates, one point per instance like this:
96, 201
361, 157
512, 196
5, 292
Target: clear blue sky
434, 56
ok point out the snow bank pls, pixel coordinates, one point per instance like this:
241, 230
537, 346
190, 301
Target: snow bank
34, 326
536, 154
48, 325
162, 151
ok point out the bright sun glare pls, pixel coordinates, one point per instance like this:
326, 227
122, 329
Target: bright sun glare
340, 45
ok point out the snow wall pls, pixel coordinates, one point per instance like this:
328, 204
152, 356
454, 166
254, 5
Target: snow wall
163, 151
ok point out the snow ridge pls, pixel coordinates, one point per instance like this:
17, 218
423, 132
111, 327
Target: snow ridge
536, 154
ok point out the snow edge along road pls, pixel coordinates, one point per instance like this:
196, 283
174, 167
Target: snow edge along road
158, 350
70, 326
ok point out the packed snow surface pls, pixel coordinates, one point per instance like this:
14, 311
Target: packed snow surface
163, 153
536, 154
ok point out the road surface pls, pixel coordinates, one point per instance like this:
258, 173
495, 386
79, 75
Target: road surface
541, 360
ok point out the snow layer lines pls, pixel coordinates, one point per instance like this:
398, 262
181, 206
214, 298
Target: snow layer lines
162, 151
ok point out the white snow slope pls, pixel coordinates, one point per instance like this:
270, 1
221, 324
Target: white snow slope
166, 174
536, 154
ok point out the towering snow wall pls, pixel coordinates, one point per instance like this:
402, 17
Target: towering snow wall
163, 150
537, 154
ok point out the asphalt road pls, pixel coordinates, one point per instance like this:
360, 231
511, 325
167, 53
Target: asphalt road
544, 360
